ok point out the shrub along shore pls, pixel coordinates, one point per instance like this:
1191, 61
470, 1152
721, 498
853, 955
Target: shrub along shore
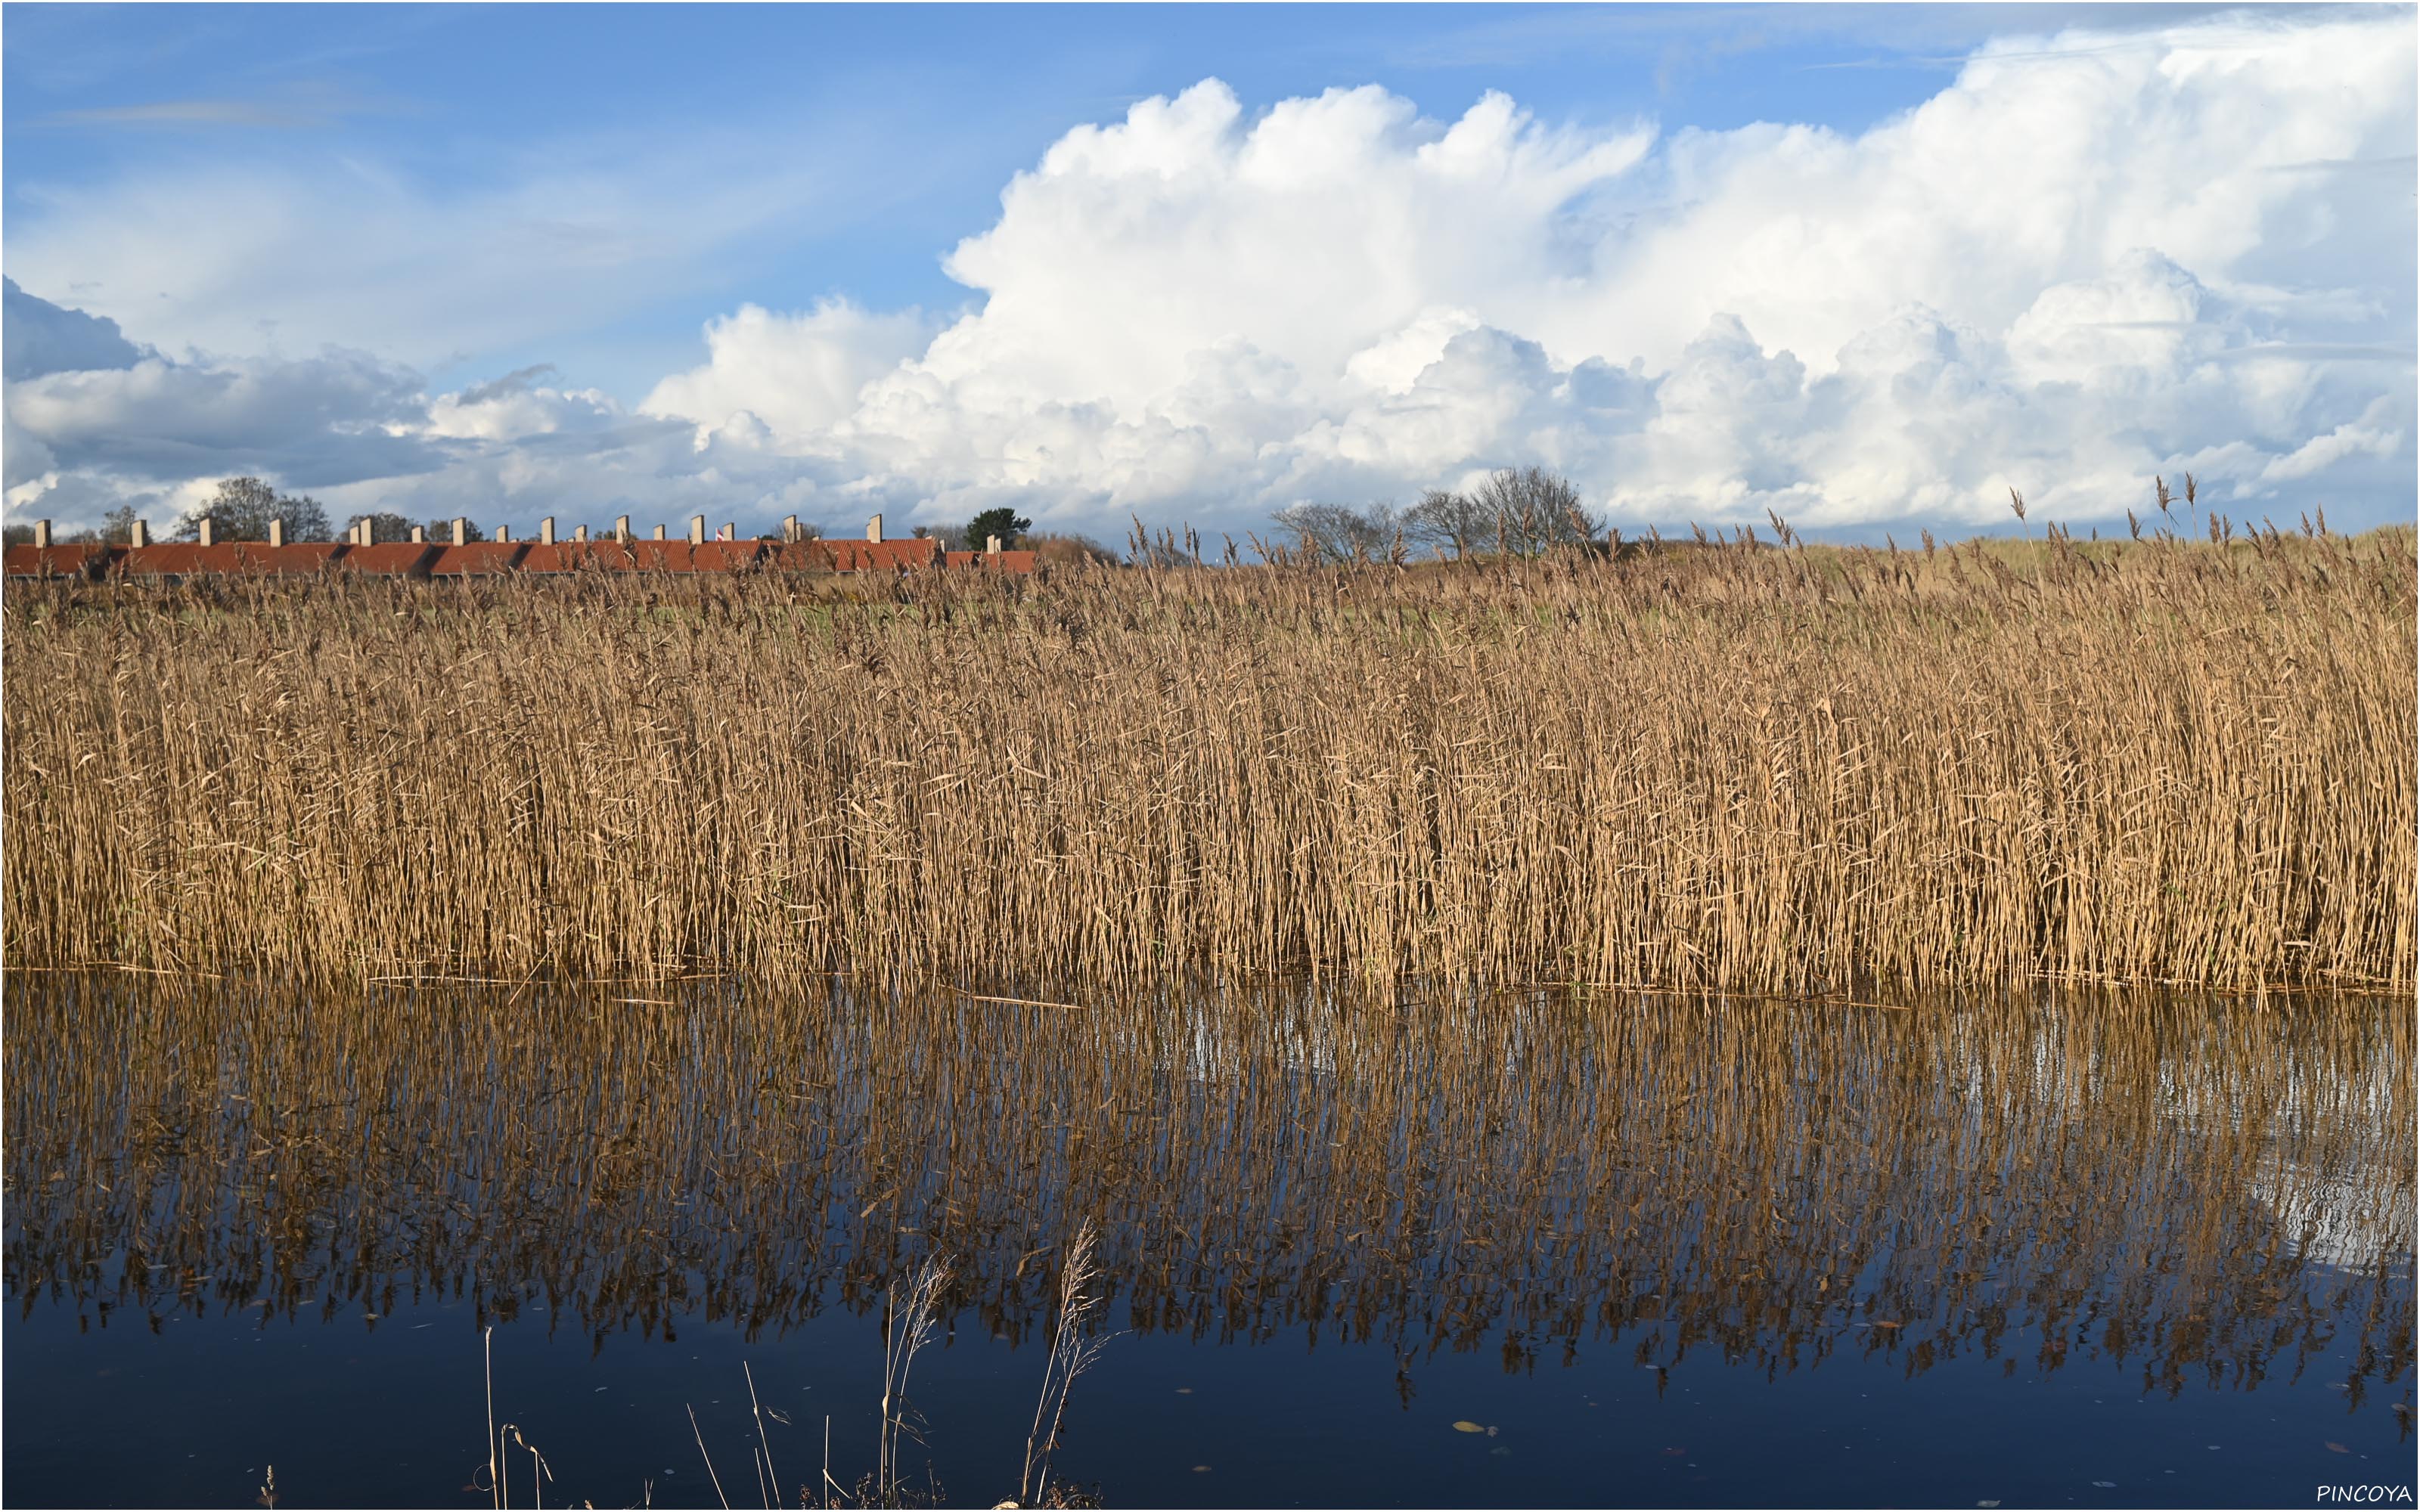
1722, 766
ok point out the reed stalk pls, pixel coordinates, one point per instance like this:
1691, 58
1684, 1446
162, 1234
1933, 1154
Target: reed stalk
1719, 767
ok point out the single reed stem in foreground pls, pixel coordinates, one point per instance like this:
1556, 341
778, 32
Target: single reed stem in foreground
831, 1491
707, 1458
1070, 1355
487, 1350
540, 1472
911, 1329
763, 1444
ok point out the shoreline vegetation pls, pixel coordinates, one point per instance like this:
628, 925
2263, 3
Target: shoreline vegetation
1707, 765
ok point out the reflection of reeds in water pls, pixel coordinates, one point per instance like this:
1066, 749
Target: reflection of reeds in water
1732, 768
1772, 1181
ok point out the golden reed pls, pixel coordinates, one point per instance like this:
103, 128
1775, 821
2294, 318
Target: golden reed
1723, 767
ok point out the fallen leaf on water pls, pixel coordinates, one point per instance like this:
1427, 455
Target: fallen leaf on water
1676, 1453
1464, 1424
2334, 1448
2104, 1485
1201, 1470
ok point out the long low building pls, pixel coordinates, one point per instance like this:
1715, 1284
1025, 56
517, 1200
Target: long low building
185, 558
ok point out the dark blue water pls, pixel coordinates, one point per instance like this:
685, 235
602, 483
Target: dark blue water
2029, 1257
393, 1413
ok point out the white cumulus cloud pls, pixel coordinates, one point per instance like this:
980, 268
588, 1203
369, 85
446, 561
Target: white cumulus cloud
789, 375
2090, 257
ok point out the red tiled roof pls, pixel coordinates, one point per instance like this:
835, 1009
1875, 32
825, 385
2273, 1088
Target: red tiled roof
400, 558
414, 559
640, 555
798, 556
79, 559
870, 556
1019, 562
660, 556
576, 556
476, 558
302, 556
177, 559
725, 556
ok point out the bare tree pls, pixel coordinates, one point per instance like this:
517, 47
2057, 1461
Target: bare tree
1445, 517
1536, 510
1340, 532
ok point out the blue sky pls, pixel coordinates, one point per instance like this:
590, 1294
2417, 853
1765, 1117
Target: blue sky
562, 200
931, 108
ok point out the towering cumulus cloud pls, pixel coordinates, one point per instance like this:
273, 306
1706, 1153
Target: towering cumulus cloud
2090, 258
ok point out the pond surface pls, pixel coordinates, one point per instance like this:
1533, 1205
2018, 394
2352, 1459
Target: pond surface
1523, 1250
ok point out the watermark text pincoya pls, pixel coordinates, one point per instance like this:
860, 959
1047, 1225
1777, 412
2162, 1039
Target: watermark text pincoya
2366, 1496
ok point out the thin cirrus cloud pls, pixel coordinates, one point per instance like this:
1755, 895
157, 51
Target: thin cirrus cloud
249, 260
2087, 258
273, 115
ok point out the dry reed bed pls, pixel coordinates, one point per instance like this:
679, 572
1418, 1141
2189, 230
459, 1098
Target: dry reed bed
1720, 768
2220, 1193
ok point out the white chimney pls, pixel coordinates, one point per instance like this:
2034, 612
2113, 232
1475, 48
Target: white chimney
874, 528
42, 534
621, 526
461, 531
789, 527
580, 532
277, 533
697, 530
991, 546
546, 530
206, 532
140, 534
420, 535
